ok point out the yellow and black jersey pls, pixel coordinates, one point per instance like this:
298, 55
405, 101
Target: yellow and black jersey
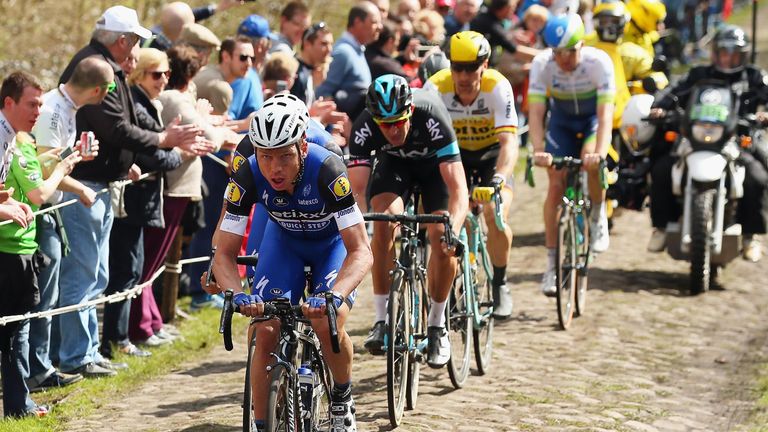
492, 112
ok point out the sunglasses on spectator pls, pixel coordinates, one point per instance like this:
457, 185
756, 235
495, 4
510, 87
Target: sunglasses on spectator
465, 67
109, 87
244, 58
156, 75
311, 31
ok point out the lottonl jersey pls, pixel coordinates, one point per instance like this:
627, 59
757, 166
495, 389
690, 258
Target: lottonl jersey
493, 111
321, 206
431, 134
575, 93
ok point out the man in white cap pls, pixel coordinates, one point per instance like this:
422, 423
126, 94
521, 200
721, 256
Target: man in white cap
84, 272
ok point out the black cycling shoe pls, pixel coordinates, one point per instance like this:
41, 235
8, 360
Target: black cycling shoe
374, 343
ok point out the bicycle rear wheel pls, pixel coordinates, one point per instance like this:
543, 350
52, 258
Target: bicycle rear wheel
582, 262
565, 269
398, 338
482, 332
419, 313
458, 325
247, 396
282, 403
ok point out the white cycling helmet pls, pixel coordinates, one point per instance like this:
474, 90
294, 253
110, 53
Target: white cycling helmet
281, 121
636, 132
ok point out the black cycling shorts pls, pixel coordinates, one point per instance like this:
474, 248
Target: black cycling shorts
480, 165
398, 176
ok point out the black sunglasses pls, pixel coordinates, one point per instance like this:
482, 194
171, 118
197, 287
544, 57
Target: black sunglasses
244, 58
465, 67
313, 29
156, 75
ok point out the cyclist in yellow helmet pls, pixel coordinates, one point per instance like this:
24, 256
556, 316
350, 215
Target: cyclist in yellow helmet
482, 110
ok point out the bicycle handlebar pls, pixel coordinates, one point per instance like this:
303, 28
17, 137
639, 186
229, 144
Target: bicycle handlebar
279, 308
450, 237
495, 195
566, 162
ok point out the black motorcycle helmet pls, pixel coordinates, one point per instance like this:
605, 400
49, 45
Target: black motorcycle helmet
436, 61
730, 49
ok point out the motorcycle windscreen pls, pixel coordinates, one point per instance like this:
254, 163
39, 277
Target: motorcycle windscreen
709, 114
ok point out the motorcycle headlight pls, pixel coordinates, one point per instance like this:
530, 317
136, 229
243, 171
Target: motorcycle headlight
707, 132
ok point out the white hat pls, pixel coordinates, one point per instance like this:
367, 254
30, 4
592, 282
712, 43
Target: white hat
122, 19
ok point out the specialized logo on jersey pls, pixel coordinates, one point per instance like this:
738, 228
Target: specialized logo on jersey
340, 187
234, 193
237, 162
280, 201
307, 189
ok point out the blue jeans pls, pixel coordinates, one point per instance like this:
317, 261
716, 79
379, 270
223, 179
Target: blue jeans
16, 400
38, 363
84, 275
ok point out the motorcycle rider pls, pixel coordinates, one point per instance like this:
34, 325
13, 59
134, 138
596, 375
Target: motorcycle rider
730, 51
630, 61
643, 25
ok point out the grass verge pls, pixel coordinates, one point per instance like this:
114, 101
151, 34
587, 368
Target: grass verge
200, 335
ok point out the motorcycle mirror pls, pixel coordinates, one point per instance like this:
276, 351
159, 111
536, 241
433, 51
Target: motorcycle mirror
649, 85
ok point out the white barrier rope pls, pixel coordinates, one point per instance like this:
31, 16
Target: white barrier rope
113, 298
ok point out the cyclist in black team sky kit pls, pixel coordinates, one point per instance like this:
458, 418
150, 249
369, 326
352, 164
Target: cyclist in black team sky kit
412, 137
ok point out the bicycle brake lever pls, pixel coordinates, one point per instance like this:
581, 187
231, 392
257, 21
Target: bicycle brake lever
225, 323
330, 310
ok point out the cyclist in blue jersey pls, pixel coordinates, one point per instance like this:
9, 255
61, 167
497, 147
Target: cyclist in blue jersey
315, 222
414, 143
578, 81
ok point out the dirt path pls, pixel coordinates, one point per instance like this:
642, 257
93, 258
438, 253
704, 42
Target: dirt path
644, 358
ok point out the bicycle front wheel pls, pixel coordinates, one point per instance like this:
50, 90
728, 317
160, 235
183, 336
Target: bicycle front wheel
282, 403
565, 269
458, 324
398, 341
247, 395
482, 331
582, 261
419, 313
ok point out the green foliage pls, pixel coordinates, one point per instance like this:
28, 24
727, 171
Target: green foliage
41, 36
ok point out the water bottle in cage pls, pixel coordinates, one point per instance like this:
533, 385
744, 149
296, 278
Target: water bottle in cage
306, 389
579, 228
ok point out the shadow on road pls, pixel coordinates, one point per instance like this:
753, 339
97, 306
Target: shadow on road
529, 239
211, 427
655, 282
200, 403
218, 367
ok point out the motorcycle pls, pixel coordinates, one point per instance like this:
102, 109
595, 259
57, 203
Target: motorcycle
708, 180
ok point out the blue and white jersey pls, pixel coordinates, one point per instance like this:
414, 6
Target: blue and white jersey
321, 206
575, 93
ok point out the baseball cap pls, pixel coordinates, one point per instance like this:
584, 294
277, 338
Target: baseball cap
443, 3
254, 26
199, 36
122, 19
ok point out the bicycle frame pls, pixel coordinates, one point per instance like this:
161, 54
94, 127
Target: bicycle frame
476, 250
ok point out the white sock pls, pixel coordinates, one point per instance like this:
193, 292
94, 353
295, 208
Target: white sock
380, 306
601, 212
551, 258
436, 316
